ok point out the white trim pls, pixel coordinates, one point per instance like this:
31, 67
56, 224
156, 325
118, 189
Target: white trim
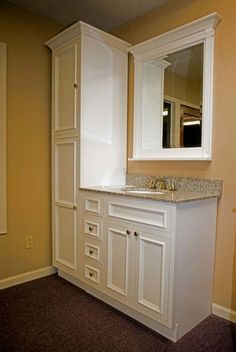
82, 28
197, 32
3, 195
201, 27
224, 312
25, 277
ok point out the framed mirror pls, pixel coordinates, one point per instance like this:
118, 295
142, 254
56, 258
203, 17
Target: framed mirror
173, 93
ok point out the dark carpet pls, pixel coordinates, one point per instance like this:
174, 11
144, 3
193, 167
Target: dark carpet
51, 315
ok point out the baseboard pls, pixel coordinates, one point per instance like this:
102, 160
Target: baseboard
223, 312
29, 276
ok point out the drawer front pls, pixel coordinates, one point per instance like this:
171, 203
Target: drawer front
93, 228
92, 251
92, 205
146, 214
92, 274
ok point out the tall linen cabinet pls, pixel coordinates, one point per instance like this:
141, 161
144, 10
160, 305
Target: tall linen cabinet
89, 109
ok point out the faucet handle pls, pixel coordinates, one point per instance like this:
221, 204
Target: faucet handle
172, 186
152, 183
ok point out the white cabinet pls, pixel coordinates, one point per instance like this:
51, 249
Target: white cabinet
89, 105
156, 259
91, 242
119, 263
138, 269
65, 200
152, 275
66, 84
138, 255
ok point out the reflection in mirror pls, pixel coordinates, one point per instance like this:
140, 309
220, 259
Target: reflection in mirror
182, 106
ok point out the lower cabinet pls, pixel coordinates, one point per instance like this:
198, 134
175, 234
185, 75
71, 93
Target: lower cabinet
138, 267
152, 260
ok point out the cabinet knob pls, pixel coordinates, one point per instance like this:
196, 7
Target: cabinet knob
74, 206
90, 229
128, 232
90, 251
91, 274
76, 85
136, 234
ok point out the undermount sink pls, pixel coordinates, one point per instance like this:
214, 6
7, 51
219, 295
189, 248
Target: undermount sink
142, 191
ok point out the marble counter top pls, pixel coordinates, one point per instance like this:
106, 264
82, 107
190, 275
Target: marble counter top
178, 196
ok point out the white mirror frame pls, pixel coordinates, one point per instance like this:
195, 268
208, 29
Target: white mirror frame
194, 33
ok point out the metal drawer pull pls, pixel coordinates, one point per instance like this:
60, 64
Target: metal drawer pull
136, 234
76, 85
91, 274
90, 251
74, 206
90, 228
128, 232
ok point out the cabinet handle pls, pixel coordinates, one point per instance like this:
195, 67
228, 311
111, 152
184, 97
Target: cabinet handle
91, 274
90, 229
128, 232
136, 234
90, 252
76, 85
74, 206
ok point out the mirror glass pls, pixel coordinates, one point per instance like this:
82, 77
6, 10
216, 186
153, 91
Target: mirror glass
172, 100
182, 105
173, 93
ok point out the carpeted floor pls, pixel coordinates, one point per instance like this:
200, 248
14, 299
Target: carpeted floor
51, 315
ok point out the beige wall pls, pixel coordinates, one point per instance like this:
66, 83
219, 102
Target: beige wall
28, 139
171, 15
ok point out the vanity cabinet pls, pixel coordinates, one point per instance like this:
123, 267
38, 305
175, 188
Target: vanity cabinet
89, 106
156, 259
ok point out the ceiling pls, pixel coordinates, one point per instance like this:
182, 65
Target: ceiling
104, 14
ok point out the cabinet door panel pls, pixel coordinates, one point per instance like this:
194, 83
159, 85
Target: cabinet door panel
65, 88
65, 235
65, 214
152, 275
118, 258
65, 172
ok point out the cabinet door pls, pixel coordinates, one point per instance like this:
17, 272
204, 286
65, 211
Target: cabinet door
152, 276
119, 262
65, 215
65, 89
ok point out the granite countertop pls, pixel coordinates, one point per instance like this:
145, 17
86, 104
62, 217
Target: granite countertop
178, 196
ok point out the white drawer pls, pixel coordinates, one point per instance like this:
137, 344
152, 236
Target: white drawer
92, 273
143, 213
92, 251
92, 205
92, 228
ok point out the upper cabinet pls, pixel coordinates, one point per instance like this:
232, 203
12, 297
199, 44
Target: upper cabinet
89, 100
173, 93
66, 81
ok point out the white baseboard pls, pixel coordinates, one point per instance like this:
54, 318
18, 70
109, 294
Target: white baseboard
29, 276
223, 312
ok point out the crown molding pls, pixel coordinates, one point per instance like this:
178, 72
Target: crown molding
84, 29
